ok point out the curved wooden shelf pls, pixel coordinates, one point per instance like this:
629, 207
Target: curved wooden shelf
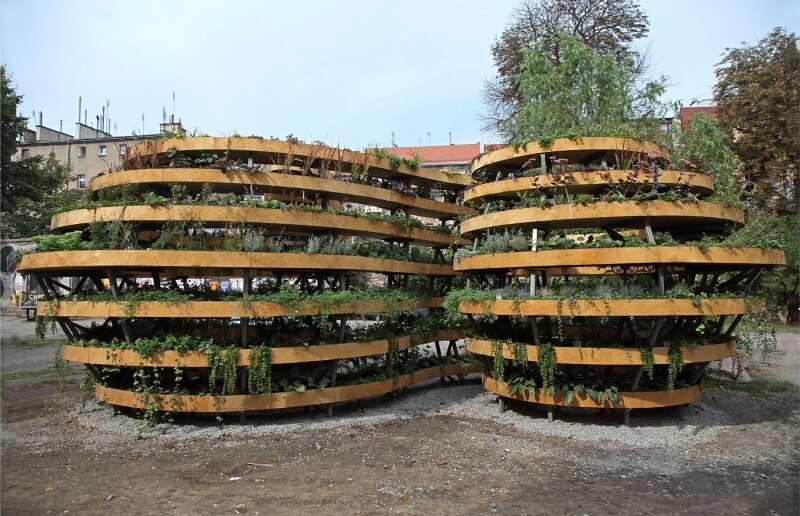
287, 186
276, 151
276, 400
218, 216
222, 309
722, 257
584, 182
74, 263
574, 150
279, 355
669, 214
608, 356
612, 307
628, 400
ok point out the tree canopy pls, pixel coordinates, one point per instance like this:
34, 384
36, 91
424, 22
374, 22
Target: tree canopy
587, 93
758, 97
607, 26
33, 187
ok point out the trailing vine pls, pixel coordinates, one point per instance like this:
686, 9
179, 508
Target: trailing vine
498, 362
646, 352
675, 358
222, 363
546, 358
259, 371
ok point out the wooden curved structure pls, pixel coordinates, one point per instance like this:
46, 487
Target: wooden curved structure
285, 186
279, 152
716, 258
273, 401
222, 309
575, 151
628, 400
587, 182
613, 307
608, 356
287, 355
274, 219
178, 271
661, 214
183, 263
591, 333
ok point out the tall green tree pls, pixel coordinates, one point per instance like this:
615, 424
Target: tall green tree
587, 93
32, 188
607, 26
758, 97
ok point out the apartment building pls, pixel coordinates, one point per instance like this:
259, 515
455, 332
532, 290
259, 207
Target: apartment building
89, 152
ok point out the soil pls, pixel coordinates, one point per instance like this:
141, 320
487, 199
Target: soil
441, 449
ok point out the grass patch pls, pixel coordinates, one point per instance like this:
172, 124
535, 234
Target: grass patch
785, 328
757, 388
48, 373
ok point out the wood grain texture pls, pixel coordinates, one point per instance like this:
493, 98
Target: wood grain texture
589, 144
275, 219
276, 151
662, 214
724, 257
613, 307
279, 355
287, 186
584, 182
628, 400
276, 400
608, 356
74, 263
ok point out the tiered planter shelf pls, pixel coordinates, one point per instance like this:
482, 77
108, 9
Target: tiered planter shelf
296, 175
603, 339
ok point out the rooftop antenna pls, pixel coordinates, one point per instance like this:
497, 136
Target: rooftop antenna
451, 138
393, 144
429, 139
85, 116
115, 128
102, 124
33, 117
108, 116
80, 100
40, 118
142, 123
172, 118
61, 126
163, 114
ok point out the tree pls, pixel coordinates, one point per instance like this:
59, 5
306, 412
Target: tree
758, 97
586, 93
32, 188
607, 26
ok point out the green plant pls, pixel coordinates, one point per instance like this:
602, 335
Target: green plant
259, 370
546, 360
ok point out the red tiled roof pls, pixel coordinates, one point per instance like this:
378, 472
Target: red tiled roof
456, 153
688, 112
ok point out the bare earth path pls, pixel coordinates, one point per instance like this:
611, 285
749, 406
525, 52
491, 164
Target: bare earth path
442, 450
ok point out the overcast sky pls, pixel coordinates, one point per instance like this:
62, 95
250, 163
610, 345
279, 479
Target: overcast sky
343, 72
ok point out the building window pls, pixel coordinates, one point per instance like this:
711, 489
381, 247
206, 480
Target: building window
102, 151
81, 152
26, 153
122, 149
81, 181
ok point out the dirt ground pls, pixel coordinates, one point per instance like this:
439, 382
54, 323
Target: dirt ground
442, 449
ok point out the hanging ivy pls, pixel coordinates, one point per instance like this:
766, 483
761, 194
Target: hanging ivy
646, 353
499, 363
546, 358
222, 364
259, 371
675, 357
